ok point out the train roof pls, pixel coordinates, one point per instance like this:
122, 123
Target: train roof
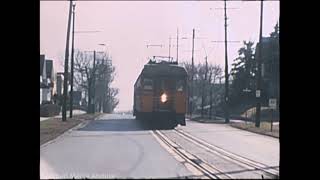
163, 69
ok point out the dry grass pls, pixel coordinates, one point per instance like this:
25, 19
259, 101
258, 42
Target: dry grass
265, 128
53, 127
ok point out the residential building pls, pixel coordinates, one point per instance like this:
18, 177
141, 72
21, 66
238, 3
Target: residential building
46, 79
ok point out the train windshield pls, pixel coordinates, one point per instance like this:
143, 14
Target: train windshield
147, 84
180, 85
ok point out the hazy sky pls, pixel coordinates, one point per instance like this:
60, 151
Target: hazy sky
128, 26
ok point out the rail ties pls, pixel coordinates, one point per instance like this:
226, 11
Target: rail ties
242, 161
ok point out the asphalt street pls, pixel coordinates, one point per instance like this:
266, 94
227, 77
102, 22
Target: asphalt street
118, 146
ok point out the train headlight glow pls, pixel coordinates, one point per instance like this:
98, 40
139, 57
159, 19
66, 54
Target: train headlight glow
163, 98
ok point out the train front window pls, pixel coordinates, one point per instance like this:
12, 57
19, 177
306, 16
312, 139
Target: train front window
147, 84
180, 85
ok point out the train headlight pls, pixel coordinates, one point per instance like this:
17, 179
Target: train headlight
164, 98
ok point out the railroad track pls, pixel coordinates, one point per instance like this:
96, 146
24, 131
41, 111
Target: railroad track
200, 168
240, 160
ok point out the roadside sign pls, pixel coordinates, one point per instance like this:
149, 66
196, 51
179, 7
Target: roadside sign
273, 103
257, 93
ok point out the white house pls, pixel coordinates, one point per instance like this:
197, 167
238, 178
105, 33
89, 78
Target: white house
46, 79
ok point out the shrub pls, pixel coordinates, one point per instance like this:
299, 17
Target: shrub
48, 110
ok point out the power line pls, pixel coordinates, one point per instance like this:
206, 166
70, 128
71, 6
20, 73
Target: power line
154, 45
227, 41
86, 31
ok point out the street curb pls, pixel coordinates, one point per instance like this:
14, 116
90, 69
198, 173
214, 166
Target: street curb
82, 124
255, 132
208, 122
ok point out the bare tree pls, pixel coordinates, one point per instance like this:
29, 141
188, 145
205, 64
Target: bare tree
97, 78
188, 67
111, 101
215, 71
106, 76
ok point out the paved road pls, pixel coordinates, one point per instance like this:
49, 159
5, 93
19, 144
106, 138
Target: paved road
117, 146
114, 146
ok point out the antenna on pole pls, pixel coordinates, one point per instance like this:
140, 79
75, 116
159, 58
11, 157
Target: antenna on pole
169, 46
177, 43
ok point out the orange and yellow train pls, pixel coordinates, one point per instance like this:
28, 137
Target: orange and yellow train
160, 93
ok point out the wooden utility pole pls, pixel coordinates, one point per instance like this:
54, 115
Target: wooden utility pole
94, 83
72, 62
211, 91
65, 83
226, 65
169, 47
258, 95
177, 43
192, 72
204, 87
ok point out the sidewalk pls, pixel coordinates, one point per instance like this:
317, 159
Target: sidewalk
75, 112
220, 120
244, 125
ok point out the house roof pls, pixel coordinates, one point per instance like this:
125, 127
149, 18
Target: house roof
42, 60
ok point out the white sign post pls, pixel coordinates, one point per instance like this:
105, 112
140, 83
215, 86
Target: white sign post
272, 105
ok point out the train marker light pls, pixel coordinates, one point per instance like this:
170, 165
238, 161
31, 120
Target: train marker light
163, 98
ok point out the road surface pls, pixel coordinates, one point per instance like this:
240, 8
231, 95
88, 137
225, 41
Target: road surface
118, 146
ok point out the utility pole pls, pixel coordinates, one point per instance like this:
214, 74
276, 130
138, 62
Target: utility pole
94, 83
177, 43
203, 87
226, 66
72, 62
191, 92
169, 46
258, 95
226, 98
65, 83
211, 89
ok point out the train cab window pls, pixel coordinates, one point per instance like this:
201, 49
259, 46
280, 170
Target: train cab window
180, 85
147, 84
139, 83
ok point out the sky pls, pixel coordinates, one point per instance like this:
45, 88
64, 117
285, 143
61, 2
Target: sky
127, 27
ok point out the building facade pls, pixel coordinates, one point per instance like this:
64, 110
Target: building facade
46, 79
